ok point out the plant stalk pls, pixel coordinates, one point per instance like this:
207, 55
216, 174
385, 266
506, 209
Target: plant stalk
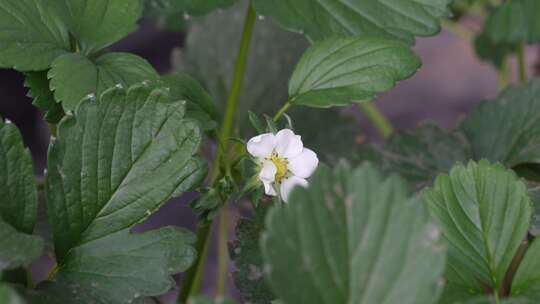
192, 282
380, 121
282, 111
504, 79
223, 258
521, 63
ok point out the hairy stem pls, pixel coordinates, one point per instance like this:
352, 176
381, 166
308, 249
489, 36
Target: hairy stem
223, 258
521, 63
380, 121
192, 282
282, 111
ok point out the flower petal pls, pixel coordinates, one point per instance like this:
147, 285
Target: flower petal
262, 145
269, 189
304, 164
288, 184
288, 144
268, 171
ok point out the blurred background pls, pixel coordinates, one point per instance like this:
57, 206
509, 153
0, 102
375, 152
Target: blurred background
450, 82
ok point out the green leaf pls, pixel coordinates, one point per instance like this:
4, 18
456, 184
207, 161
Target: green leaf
210, 52
99, 23
32, 34
74, 76
534, 193
18, 193
18, 203
120, 268
246, 255
507, 129
200, 105
484, 211
38, 89
17, 248
339, 71
9, 296
514, 22
319, 19
188, 7
119, 159
526, 281
421, 154
490, 51
353, 237
504, 130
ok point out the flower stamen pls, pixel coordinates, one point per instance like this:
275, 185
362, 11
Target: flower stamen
281, 167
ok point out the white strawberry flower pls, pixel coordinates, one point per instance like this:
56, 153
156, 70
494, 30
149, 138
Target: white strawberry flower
284, 162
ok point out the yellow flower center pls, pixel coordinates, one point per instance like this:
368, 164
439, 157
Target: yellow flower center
281, 167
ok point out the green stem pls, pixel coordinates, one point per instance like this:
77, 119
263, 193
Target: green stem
521, 63
496, 295
52, 129
223, 258
238, 79
382, 124
53, 272
29, 280
281, 111
192, 282
504, 75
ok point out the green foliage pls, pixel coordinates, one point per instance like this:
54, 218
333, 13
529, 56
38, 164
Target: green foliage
17, 248
353, 237
526, 281
490, 51
246, 255
484, 212
9, 296
36, 36
119, 268
200, 105
506, 129
514, 22
18, 203
18, 206
317, 19
210, 53
98, 23
43, 98
534, 193
128, 140
508, 25
188, 7
421, 154
116, 161
74, 76
339, 71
